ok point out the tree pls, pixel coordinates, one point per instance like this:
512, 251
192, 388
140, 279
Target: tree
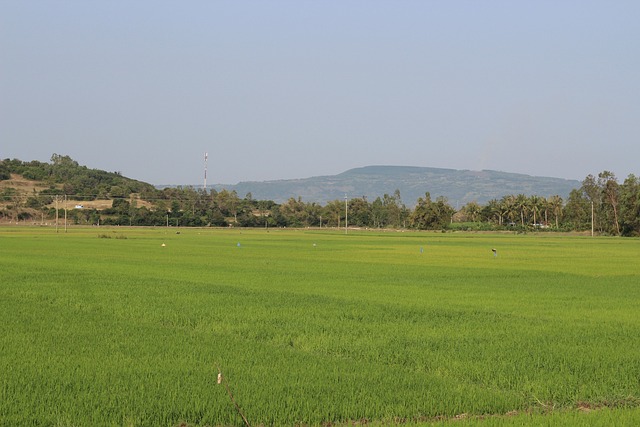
63, 168
445, 211
577, 211
4, 171
522, 205
175, 212
228, 201
294, 212
555, 203
429, 215
378, 213
508, 207
609, 186
493, 210
471, 211
396, 211
359, 212
121, 206
594, 196
314, 213
630, 206
263, 210
334, 212
423, 216
536, 205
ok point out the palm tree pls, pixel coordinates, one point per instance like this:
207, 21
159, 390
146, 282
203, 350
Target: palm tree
493, 206
535, 204
472, 209
546, 205
556, 203
508, 207
522, 205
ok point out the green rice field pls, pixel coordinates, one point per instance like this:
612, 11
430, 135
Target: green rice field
130, 327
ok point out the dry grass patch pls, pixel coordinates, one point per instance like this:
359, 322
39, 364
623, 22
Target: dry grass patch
23, 185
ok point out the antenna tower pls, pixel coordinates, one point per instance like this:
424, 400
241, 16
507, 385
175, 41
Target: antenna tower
206, 155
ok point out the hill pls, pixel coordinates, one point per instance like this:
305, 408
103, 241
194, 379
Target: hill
458, 186
65, 176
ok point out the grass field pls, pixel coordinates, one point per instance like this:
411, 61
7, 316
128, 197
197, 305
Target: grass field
105, 326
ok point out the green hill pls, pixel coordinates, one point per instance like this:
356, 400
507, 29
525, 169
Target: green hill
458, 186
65, 175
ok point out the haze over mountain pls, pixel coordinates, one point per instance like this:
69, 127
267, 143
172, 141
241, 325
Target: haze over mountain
458, 186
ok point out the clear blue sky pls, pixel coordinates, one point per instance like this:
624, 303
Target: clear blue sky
292, 89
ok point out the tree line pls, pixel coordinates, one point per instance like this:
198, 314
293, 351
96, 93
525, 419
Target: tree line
601, 204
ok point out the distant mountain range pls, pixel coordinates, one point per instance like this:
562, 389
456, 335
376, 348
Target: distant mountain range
458, 186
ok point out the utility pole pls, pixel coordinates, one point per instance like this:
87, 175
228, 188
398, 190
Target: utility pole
57, 213
346, 214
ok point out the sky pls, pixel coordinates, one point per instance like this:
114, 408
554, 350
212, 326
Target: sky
292, 89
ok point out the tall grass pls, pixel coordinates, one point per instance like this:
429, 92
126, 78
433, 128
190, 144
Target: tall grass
312, 327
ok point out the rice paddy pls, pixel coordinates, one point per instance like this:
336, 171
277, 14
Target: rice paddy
106, 326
